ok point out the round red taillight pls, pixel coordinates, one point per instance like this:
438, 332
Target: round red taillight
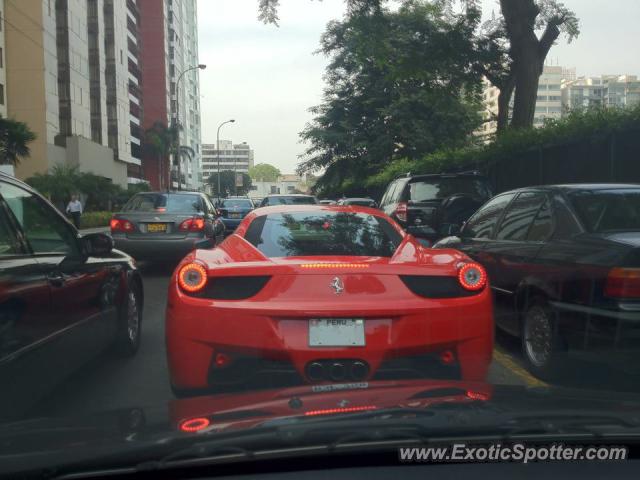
194, 424
472, 277
192, 277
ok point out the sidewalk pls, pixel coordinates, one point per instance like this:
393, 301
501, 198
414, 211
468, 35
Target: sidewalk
86, 231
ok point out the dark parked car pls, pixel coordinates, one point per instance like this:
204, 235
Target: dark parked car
564, 266
156, 225
63, 297
293, 199
233, 210
362, 202
429, 206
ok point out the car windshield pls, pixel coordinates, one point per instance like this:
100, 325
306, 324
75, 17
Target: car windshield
441, 188
163, 203
323, 234
608, 210
297, 235
294, 200
239, 203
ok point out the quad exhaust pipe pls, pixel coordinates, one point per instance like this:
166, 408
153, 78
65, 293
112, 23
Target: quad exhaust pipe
337, 370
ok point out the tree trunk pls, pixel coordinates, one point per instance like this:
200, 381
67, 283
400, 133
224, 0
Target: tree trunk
504, 99
527, 70
528, 54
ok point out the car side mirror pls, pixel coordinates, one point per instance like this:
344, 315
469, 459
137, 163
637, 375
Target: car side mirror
450, 229
97, 244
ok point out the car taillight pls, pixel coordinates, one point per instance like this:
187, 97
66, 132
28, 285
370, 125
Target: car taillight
623, 283
192, 225
119, 225
401, 211
192, 277
472, 277
333, 411
194, 424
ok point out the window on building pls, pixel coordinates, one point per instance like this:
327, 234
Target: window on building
1, 53
1, 94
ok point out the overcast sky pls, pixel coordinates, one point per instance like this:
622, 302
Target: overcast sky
266, 78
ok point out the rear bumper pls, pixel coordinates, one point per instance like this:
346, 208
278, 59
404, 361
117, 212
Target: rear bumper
158, 248
599, 332
255, 337
230, 224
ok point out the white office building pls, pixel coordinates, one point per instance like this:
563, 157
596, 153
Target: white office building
234, 157
605, 91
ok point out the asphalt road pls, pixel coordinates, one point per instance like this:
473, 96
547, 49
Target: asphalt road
142, 381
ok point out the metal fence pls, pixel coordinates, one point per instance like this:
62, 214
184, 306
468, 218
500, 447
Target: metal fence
614, 158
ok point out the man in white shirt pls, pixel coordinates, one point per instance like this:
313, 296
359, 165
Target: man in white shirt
74, 208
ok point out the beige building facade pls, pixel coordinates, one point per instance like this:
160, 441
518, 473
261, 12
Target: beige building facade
69, 79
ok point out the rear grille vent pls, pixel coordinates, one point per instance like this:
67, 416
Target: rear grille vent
435, 287
233, 288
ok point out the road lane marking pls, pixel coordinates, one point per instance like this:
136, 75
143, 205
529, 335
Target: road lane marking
506, 361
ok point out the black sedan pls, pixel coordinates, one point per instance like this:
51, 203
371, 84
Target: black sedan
166, 225
361, 202
564, 266
232, 210
63, 297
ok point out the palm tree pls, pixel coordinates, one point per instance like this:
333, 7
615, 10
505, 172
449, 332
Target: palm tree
159, 140
15, 137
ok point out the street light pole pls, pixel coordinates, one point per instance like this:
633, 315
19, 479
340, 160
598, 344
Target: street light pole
218, 154
176, 123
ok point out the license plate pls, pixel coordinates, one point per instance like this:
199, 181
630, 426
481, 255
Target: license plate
234, 215
336, 332
156, 227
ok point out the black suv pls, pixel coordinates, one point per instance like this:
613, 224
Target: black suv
433, 206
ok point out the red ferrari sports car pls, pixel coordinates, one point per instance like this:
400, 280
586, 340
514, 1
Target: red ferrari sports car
321, 294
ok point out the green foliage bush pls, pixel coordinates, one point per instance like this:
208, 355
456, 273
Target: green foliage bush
582, 126
95, 219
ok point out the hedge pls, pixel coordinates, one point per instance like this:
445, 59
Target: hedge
95, 219
578, 126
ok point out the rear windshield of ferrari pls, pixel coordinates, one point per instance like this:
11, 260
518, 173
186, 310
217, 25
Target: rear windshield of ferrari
294, 200
305, 234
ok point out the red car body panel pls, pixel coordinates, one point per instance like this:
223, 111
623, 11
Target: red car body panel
273, 324
240, 411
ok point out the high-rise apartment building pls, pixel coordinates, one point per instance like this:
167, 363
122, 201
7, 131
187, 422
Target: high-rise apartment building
549, 101
604, 91
73, 68
238, 157
170, 83
490, 113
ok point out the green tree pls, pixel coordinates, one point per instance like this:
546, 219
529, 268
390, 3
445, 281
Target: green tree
399, 84
522, 19
15, 137
227, 184
159, 141
511, 49
264, 172
57, 186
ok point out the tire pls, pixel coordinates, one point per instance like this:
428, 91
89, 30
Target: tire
542, 347
129, 332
